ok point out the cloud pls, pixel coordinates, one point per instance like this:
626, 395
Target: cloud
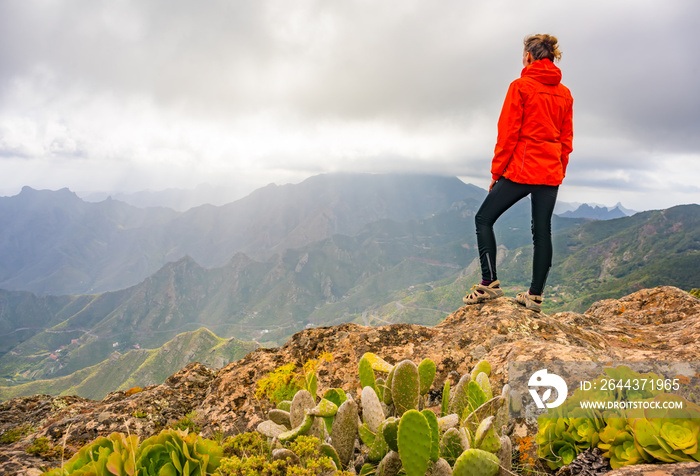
271, 90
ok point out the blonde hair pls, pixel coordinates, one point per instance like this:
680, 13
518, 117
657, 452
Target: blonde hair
542, 46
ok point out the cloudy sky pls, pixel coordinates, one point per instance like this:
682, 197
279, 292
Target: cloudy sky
126, 95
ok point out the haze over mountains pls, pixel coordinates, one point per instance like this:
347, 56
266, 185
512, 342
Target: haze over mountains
335, 248
55, 243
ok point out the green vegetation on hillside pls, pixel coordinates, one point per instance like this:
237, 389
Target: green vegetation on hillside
138, 367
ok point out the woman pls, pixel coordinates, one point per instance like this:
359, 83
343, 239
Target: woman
535, 135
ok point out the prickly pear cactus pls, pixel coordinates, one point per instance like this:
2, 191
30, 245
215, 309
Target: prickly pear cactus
271, 429
325, 408
434, 434
280, 417
344, 431
378, 364
367, 378
415, 443
381, 386
481, 366
502, 414
505, 456
475, 462
405, 387
366, 435
426, 372
311, 383
335, 395
448, 421
327, 450
379, 448
388, 399
483, 381
372, 412
391, 433
451, 445
302, 429
459, 399
486, 437
301, 402
445, 406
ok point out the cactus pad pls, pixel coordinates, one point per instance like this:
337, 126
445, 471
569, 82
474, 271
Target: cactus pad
379, 448
325, 408
481, 366
486, 437
391, 433
434, 434
445, 406
451, 445
301, 402
415, 443
366, 435
344, 431
405, 387
328, 450
387, 397
483, 381
367, 378
475, 462
280, 417
426, 372
448, 421
505, 455
302, 429
335, 395
378, 364
271, 429
372, 412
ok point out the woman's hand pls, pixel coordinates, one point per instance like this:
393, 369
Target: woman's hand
493, 182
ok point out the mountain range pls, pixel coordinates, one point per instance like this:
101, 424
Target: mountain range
368, 249
597, 212
54, 243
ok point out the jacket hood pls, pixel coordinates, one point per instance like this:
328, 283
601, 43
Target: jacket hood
543, 71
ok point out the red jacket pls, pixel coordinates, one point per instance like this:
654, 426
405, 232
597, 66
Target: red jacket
535, 130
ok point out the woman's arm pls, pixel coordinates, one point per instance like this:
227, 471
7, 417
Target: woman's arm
509, 124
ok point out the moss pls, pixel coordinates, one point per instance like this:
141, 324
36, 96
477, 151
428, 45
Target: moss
189, 422
15, 434
246, 444
42, 447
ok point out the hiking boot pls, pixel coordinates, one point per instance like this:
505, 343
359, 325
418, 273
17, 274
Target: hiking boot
481, 293
530, 301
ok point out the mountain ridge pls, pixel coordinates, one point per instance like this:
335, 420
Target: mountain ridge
59, 244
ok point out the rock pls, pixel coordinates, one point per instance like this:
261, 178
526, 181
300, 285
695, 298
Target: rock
652, 324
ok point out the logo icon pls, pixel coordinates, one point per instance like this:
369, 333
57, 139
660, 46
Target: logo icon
543, 379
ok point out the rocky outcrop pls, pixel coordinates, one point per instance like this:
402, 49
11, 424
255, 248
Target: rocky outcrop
653, 324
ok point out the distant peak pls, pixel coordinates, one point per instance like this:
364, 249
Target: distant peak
29, 192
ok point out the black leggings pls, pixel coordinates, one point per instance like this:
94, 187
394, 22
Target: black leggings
502, 196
